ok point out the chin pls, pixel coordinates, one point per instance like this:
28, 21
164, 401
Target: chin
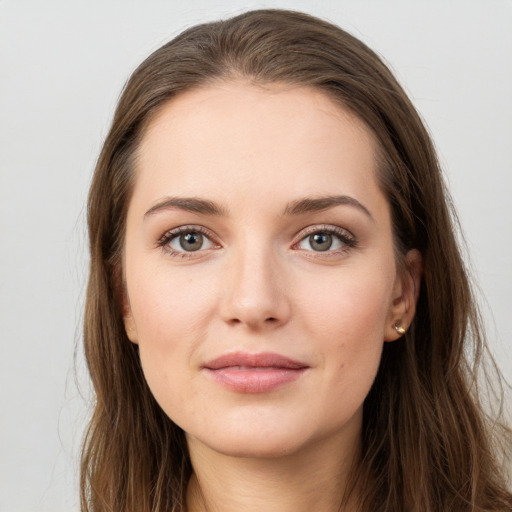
252, 450
256, 443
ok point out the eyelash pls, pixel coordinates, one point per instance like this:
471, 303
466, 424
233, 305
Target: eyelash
347, 239
169, 236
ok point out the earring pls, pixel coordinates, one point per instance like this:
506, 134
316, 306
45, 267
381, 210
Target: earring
398, 327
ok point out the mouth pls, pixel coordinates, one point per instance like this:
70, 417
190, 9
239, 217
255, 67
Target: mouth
254, 373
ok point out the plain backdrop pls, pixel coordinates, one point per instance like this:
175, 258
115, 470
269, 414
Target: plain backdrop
62, 67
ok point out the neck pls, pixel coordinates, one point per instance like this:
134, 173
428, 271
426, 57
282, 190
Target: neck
315, 478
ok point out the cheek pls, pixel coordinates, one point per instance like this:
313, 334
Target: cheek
169, 306
349, 320
171, 312
347, 315
348, 306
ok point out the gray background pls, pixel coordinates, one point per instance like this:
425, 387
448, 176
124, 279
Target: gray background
62, 66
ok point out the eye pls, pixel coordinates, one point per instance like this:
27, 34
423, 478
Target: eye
326, 239
319, 242
186, 239
189, 242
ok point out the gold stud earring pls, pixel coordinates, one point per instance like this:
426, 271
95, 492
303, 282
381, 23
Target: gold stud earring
398, 327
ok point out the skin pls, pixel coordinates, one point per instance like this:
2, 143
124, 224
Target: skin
257, 284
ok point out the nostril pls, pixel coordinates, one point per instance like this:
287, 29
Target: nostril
271, 319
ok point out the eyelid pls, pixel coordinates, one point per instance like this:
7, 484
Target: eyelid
348, 239
163, 241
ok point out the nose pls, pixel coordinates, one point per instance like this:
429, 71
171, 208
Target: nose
255, 292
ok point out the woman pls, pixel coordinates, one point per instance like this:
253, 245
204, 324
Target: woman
278, 316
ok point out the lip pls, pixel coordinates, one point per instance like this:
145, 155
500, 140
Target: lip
254, 373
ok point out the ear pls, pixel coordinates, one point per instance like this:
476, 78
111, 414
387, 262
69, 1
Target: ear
405, 296
129, 321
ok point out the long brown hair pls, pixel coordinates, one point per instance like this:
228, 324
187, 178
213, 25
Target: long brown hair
427, 445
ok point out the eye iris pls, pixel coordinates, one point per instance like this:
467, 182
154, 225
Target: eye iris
191, 241
320, 241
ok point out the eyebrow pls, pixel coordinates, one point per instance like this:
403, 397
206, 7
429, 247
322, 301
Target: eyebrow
317, 204
190, 204
298, 207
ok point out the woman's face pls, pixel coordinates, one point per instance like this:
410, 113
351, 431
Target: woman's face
259, 264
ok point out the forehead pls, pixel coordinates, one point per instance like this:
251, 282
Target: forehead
275, 137
245, 107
